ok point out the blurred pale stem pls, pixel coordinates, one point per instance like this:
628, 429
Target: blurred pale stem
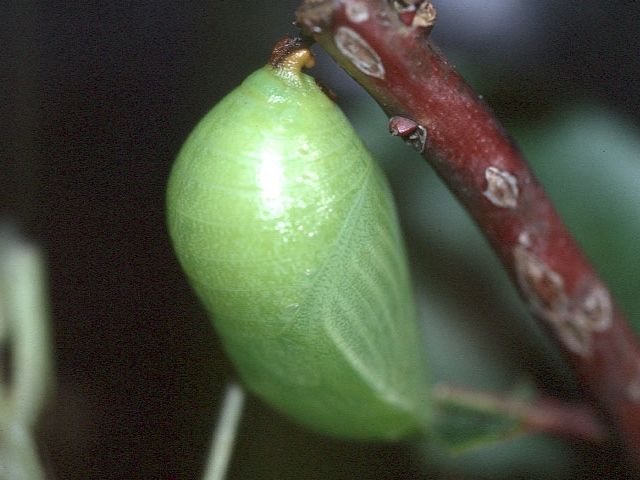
23, 285
19, 460
224, 437
4, 327
24, 332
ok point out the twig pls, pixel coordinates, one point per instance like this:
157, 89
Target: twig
384, 46
540, 415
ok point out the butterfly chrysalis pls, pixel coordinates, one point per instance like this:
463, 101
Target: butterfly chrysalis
287, 231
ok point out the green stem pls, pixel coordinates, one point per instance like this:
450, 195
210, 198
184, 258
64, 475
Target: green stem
24, 330
18, 457
225, 434
23, 281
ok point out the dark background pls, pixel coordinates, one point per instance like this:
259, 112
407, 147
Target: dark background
97, 97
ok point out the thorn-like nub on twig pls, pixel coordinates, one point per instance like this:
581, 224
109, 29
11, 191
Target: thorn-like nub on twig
416, 13
412, 132
402, 126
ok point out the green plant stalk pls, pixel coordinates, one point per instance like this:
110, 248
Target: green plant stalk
26, 312
24, 330
225, 434
18, 457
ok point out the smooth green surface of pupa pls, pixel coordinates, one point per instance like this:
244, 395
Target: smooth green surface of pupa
286, 229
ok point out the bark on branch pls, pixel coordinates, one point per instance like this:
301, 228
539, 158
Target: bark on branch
384, 45
538, 415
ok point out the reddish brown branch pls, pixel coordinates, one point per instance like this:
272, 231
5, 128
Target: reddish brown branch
540, 415
384, 46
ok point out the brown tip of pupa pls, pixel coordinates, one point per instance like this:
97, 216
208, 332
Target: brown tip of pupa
291, 53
